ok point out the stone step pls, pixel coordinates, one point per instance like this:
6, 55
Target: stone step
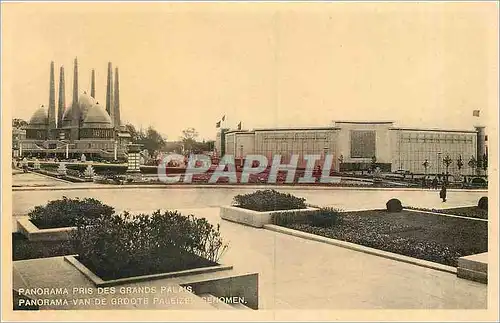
474, 267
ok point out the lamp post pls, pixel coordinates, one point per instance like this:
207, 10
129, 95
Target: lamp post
116, 150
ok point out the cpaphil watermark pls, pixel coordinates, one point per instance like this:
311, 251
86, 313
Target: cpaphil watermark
200, 166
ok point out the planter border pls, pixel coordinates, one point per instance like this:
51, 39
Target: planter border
33, 233
254, 218
99, 282
446, 214
357, 247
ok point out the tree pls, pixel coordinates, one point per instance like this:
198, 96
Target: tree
447, 162
152, 140
485, 162
188, 139
134, 134
373, 163
426, 165
18, 123
460, 163
472, 163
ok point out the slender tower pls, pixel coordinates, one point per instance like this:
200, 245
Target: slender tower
75, 117
92, 84
62, 100
52, 103
117, 121
109, 93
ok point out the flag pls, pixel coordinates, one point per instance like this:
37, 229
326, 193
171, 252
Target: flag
223, 117
217, 125
239, 126
475, 113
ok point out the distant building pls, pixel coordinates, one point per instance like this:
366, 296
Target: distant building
84, 127
356, 145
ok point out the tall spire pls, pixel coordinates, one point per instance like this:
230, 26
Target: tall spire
92, 84
109, 93
117, 121
75, 117
52, 100
62, 100
75, 84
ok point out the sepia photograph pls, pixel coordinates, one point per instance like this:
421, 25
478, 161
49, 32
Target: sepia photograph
182, 161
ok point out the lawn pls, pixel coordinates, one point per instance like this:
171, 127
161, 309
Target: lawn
424, 236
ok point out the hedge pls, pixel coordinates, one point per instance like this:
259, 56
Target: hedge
269, 200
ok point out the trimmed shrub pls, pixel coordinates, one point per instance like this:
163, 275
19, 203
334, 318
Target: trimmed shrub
129, 245
67, 212
394, 205
269, 200
483, 203
324, 218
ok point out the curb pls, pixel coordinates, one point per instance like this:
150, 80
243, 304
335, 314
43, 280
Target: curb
448, 215
51, 177
367, 250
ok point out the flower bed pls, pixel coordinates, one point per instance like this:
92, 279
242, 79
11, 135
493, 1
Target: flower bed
419, 235
122, 246
467, 211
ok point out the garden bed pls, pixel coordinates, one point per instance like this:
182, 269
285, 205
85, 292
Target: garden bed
173, 260
420, 235
23, 249
466, 211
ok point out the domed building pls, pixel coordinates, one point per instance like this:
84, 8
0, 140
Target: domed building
84, 127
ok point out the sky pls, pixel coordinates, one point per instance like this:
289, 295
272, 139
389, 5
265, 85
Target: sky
267, 65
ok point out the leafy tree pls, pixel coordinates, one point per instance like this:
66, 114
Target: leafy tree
18, 123
447, 162
426, 165
472, 162
485, 162
188, 139
134, 134
373, 163
152, 140
460, 163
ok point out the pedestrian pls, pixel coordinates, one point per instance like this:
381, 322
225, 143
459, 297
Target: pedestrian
442, 193
435, 183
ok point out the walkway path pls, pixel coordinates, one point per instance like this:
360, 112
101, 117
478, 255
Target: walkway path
300, 274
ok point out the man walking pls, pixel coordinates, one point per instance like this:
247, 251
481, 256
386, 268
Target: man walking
442, 193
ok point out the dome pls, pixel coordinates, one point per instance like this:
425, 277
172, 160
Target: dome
85, 102
97, 117
40, 117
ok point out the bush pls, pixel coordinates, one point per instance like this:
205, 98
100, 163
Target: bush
68, 212
394, 205
124, 245
324, 217
483, 203
269, 200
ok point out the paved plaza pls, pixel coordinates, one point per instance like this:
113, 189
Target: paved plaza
300, 274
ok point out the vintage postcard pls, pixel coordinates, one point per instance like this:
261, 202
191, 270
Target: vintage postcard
258, 161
